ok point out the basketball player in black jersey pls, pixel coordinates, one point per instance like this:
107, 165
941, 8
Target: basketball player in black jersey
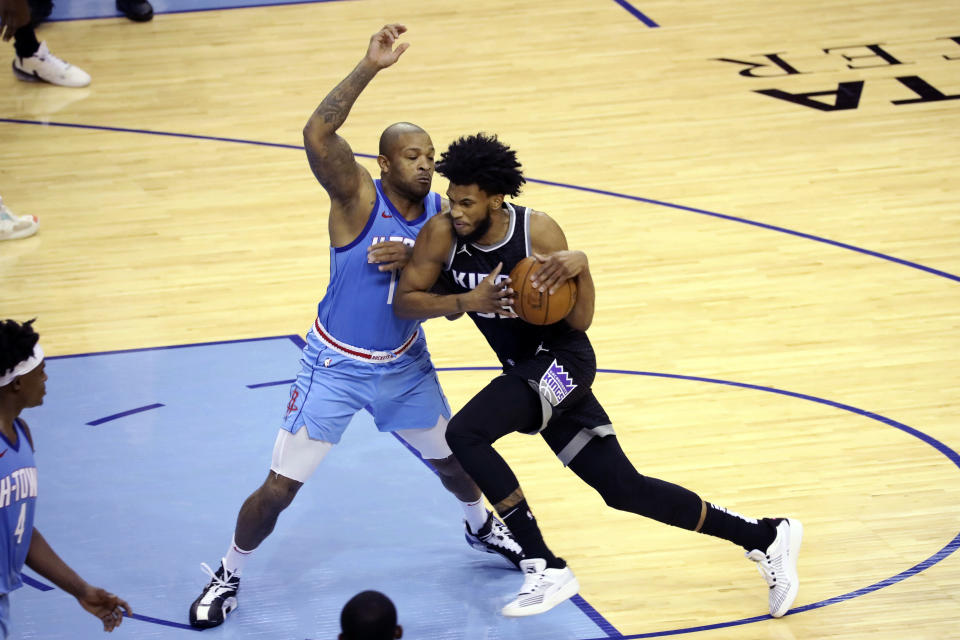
547, 373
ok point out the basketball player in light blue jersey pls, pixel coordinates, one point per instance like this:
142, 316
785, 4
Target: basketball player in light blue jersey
22, 385
359, 355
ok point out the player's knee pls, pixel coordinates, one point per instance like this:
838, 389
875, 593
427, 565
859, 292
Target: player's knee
462, 433
446, 466
623, 491
279, 491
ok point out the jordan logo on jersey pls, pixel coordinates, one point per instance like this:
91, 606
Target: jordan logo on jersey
465, 250
556, 384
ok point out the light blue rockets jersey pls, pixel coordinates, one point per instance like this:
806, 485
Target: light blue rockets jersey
18, 499
358, 306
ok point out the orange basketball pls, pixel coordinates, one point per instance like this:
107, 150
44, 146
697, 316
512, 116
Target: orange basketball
535, 307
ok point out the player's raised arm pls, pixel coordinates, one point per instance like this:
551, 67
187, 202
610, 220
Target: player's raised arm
414, 299
559, 265
331, 158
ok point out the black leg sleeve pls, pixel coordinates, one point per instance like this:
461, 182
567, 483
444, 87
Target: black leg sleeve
503, 406
604, 466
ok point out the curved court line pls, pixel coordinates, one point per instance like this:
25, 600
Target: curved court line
951, 455
123, 414
104, 16
603, 192
639, 15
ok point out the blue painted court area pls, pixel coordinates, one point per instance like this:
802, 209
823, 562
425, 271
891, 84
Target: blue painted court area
144, 458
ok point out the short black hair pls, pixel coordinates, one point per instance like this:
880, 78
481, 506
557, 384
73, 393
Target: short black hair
369, 615
484, 161
16, 343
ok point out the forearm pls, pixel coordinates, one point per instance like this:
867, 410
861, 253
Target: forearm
44, 560
333, 111
582, 314
420, 305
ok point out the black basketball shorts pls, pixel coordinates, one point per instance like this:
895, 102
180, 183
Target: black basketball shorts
562, 376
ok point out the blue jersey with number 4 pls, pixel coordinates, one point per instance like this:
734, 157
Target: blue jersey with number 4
358, 306
18, 499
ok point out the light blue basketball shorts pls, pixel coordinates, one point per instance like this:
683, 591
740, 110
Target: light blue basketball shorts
332, 387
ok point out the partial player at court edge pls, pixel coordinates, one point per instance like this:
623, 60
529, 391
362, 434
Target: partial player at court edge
547, 376
358, 353
23, 381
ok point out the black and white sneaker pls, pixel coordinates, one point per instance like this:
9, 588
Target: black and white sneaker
495, 537
218, 599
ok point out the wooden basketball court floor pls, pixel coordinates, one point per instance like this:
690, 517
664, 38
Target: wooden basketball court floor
768, 196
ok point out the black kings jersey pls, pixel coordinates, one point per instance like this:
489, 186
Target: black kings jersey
468, 264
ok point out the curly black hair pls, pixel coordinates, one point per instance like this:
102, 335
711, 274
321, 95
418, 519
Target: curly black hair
16, 343
484, 161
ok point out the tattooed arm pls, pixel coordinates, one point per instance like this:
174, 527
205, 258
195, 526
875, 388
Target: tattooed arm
331, 159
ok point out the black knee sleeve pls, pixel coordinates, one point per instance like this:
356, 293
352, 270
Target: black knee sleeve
503, 406
604, 466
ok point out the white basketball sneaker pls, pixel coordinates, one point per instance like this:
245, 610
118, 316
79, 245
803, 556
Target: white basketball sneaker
13, 227
778, 565
542, 589
47, 67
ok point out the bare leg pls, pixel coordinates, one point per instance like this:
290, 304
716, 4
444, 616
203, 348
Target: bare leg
260, 511
455, 479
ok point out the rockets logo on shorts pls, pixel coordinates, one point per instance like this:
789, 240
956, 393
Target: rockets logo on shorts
292, 405
556, 384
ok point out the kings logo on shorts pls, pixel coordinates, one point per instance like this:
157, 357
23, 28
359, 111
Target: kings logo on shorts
556, 384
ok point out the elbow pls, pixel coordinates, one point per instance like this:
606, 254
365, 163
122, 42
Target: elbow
315, 131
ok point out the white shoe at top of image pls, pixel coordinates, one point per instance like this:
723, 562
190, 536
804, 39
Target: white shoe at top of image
46, 67
13, 227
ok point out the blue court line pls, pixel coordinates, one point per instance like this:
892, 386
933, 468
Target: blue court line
36, 584
637, 13
762, 225
603, 192
297, 340
595, 615
166, 623
277, 383
101, 16
122, 414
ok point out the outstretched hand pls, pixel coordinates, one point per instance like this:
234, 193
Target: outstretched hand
13, 15
106, 606
381, 51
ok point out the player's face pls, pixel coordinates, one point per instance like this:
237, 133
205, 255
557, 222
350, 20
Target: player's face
33, 386
411, 164
470, 209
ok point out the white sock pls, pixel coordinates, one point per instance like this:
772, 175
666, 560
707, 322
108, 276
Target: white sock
475, 513
236, 558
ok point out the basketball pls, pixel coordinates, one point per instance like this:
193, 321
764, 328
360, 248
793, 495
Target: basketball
535, 307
